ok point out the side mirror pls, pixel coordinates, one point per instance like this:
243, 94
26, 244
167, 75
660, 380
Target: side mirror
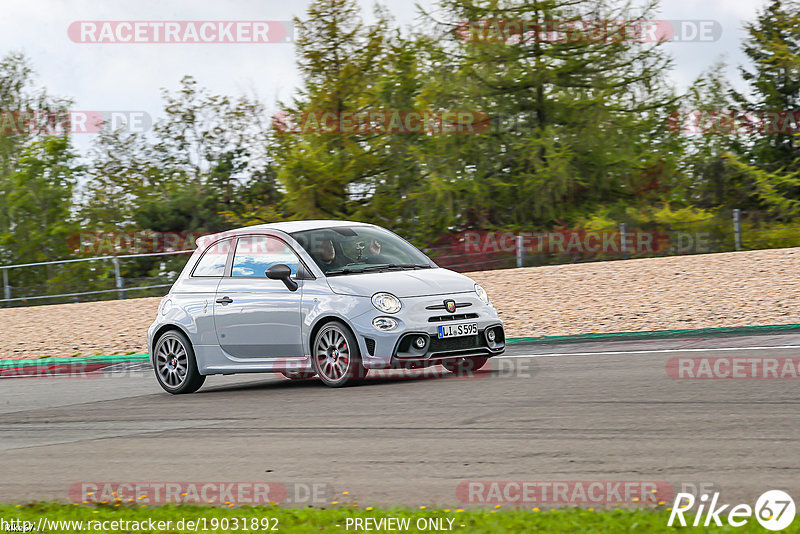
283, 273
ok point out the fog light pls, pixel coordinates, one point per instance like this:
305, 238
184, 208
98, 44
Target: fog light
420, 342
490, 335
384, 323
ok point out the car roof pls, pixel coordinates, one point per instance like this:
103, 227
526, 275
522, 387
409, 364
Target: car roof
287, 226
299, 226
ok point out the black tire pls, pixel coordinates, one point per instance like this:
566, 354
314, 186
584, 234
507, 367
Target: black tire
175, 364
335, 356
298, 375
465, 366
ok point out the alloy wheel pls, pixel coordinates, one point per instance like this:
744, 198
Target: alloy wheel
172, 361
332, 353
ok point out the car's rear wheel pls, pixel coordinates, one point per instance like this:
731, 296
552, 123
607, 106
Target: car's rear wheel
465, 366
336, 357
298, 375
175, 364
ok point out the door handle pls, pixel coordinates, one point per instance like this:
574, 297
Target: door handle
224, 301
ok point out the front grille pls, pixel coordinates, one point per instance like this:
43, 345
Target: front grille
456, 317
455, 343
370, 345
442, 306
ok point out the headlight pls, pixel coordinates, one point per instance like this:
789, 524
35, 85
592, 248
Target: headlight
386, 302
384, 323
482, 294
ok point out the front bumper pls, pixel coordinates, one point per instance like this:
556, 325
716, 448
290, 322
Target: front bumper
421, 318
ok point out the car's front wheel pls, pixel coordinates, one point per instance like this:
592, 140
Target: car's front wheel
336, 357
175, 364
465, 366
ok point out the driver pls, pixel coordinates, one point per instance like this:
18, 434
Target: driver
325, 255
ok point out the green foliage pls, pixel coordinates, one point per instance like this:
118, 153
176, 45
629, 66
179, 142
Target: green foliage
37, 196
773, 46
576, 121
326, 174
334, 519
581, 134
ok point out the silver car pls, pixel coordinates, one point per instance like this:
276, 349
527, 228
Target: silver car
327, 298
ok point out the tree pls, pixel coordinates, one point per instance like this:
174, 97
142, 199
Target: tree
773, 46
206, 146
768, 162
340, 59
577, 120
711, 181
206, 158
38, 172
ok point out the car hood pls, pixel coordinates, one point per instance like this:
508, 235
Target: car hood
417, 283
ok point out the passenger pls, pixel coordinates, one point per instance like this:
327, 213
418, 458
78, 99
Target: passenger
375, 247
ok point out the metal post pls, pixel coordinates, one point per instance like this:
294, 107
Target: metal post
520, 252
737, 229
623, 240
118, 278
6, 287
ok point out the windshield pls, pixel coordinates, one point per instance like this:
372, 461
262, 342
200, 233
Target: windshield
359, 249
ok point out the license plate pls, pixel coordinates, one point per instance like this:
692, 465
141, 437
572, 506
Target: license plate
458, 330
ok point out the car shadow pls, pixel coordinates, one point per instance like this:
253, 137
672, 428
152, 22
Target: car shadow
393, 376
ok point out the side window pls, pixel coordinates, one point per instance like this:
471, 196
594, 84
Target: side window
212, 263
255, 254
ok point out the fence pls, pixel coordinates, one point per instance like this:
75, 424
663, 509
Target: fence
54, 291
473, 250
121, 276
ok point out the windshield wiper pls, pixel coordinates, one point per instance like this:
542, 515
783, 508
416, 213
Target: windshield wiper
346, 270
395, 266
374, 268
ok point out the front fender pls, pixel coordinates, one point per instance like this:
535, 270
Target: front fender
321, 304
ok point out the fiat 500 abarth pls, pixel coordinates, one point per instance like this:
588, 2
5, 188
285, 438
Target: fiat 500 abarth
327, 298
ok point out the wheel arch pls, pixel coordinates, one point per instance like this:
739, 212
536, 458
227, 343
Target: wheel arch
163, 329
322, 321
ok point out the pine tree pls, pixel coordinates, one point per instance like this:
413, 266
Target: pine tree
577, 120
769, 161
773, 46
329, 174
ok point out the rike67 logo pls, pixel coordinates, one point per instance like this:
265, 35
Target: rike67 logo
774, 510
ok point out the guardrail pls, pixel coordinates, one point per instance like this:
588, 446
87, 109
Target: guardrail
472, 250
119, 281
465, 251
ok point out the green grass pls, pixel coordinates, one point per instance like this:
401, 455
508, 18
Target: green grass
334, 519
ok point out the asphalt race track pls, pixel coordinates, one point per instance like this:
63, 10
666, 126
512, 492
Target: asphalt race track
588, 411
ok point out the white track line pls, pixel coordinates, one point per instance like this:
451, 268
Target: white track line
659, 351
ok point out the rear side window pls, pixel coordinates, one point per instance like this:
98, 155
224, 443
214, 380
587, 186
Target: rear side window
255, 254
212, 263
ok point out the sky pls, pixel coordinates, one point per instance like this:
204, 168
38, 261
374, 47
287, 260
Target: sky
129, 77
